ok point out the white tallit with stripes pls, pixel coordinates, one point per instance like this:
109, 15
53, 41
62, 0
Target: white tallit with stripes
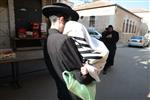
90, 48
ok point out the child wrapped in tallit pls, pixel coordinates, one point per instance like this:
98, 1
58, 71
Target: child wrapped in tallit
91, 49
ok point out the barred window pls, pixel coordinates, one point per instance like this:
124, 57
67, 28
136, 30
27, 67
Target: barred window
130, 27
92, 21
123, 28
133, 28
127, 25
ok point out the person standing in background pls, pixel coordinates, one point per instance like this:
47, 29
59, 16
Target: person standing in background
110, 37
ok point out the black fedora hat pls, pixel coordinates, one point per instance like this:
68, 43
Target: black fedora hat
60, 8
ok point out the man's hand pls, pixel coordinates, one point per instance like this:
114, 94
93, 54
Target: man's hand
84, 70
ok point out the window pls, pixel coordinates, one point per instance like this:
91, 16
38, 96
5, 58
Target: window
93, 33
92, 21
130, 26
127, 25
133, 28
123, 26
136, 37
27, 20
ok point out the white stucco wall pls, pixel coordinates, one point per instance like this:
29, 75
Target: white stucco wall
112, 15
145, 19
103, 17
97, 11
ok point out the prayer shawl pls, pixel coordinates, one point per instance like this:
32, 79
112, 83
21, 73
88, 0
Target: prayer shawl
90, 48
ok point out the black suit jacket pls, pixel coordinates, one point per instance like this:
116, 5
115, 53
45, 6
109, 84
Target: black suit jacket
64, 55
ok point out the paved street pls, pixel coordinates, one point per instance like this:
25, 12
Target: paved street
127, 80
129, 77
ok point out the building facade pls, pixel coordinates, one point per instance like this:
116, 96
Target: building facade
99, 16
144, 14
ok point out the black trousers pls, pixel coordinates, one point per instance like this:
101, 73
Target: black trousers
110, 59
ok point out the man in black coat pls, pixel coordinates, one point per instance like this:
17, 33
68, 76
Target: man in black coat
110, 37
61, 52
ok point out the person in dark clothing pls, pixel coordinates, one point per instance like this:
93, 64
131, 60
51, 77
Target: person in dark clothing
61, 52
110, 37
